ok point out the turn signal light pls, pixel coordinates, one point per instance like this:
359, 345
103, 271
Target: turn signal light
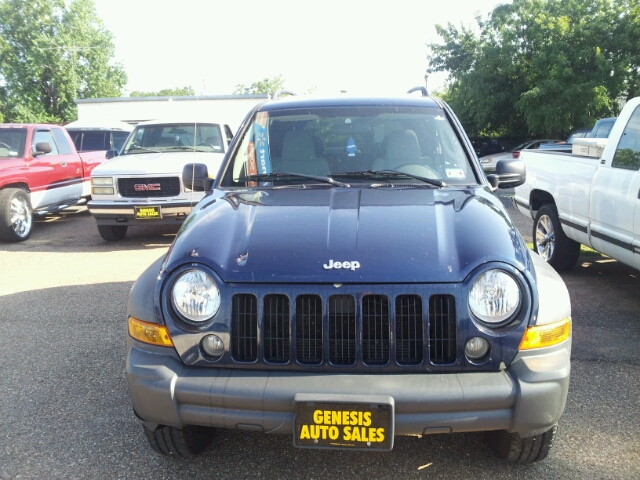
151, 333
546, 335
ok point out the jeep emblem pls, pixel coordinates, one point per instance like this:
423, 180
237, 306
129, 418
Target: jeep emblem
342, 265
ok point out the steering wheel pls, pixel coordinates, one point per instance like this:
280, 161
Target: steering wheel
415, 169
2, 144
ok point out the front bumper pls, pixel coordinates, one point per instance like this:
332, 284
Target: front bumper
124, 213
528, 397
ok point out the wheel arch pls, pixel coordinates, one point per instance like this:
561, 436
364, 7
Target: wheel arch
538, 198
20, 185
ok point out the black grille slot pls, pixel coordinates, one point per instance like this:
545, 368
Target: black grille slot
342, 330
309, 329
244, 328
442, 329
149, 187
375, 330
276, 328
409, 332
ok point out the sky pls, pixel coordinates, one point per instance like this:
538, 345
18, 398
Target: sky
359, 46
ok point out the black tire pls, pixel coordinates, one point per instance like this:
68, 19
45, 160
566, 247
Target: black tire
186, 442
515, 449
16, 216
112, 233
550, 241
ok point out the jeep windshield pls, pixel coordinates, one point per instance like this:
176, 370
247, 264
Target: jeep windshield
364, 146
175, 137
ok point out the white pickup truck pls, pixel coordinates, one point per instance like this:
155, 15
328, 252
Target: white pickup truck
144, 185
590, 196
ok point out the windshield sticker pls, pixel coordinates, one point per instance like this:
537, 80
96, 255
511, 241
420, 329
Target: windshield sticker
455, 173
252, 166
351, 147
261, 137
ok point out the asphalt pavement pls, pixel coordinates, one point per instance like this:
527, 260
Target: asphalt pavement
65, 409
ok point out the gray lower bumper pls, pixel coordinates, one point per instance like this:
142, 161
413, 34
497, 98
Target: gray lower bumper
124, 213
528, 398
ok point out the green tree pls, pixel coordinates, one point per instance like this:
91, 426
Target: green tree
51, 53
166, 92
541, 67
268, 85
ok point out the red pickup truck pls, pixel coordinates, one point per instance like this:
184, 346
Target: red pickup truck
40, 172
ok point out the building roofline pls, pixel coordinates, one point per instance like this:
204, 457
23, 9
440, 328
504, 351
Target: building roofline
175, 99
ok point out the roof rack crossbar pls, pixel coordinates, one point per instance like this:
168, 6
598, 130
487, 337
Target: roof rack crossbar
276, 95
422, 89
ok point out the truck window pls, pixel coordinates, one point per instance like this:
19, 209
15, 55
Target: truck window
118, 140
44, 136
95, 141
12, 142
61, 141
627, 154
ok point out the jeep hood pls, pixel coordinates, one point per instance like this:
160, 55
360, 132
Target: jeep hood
157, 163
415, 235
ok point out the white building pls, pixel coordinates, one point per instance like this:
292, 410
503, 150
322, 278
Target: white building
229, 109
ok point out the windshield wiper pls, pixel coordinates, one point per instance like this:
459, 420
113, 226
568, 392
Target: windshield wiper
140, 148
183, 147
390, 173
261, 177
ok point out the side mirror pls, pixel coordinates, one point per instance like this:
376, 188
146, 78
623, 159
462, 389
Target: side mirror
509, 173
42, 148
195, 176
111, 154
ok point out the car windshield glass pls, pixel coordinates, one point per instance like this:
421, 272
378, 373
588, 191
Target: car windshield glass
12, 141
328, 141
175, 137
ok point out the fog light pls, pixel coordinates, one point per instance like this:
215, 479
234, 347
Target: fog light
212, 345
102, 191
476, 348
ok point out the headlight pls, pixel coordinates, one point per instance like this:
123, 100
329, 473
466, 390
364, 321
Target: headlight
195, 296
101, 181
494, 297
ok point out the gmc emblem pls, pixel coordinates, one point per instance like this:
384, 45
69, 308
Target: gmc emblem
141, 187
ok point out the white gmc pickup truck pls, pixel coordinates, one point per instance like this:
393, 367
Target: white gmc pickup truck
589, 197
143, 185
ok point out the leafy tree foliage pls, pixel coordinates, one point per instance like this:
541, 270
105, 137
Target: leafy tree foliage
541, 67
268, 85
166, 92
52, 52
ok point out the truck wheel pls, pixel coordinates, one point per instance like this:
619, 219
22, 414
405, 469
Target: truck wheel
112, 233
16, 217
186, 442
515, 449
550, 241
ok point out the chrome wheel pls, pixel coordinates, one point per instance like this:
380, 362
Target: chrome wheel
545, 237
20, 216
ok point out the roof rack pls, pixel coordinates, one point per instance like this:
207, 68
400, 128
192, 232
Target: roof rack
422, 89
276, 95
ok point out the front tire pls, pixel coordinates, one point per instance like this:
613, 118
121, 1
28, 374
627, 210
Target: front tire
112, 233
16, 217
186, 442
550, 241
515, 449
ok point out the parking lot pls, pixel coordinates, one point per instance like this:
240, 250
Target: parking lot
65, 409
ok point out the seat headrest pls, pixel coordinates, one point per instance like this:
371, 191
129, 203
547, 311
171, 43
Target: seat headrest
298, 145
402, 145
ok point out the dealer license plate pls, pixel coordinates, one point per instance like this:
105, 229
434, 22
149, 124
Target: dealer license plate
361, 426
146, 213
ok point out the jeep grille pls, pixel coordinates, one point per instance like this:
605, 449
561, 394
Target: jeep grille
353, 332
